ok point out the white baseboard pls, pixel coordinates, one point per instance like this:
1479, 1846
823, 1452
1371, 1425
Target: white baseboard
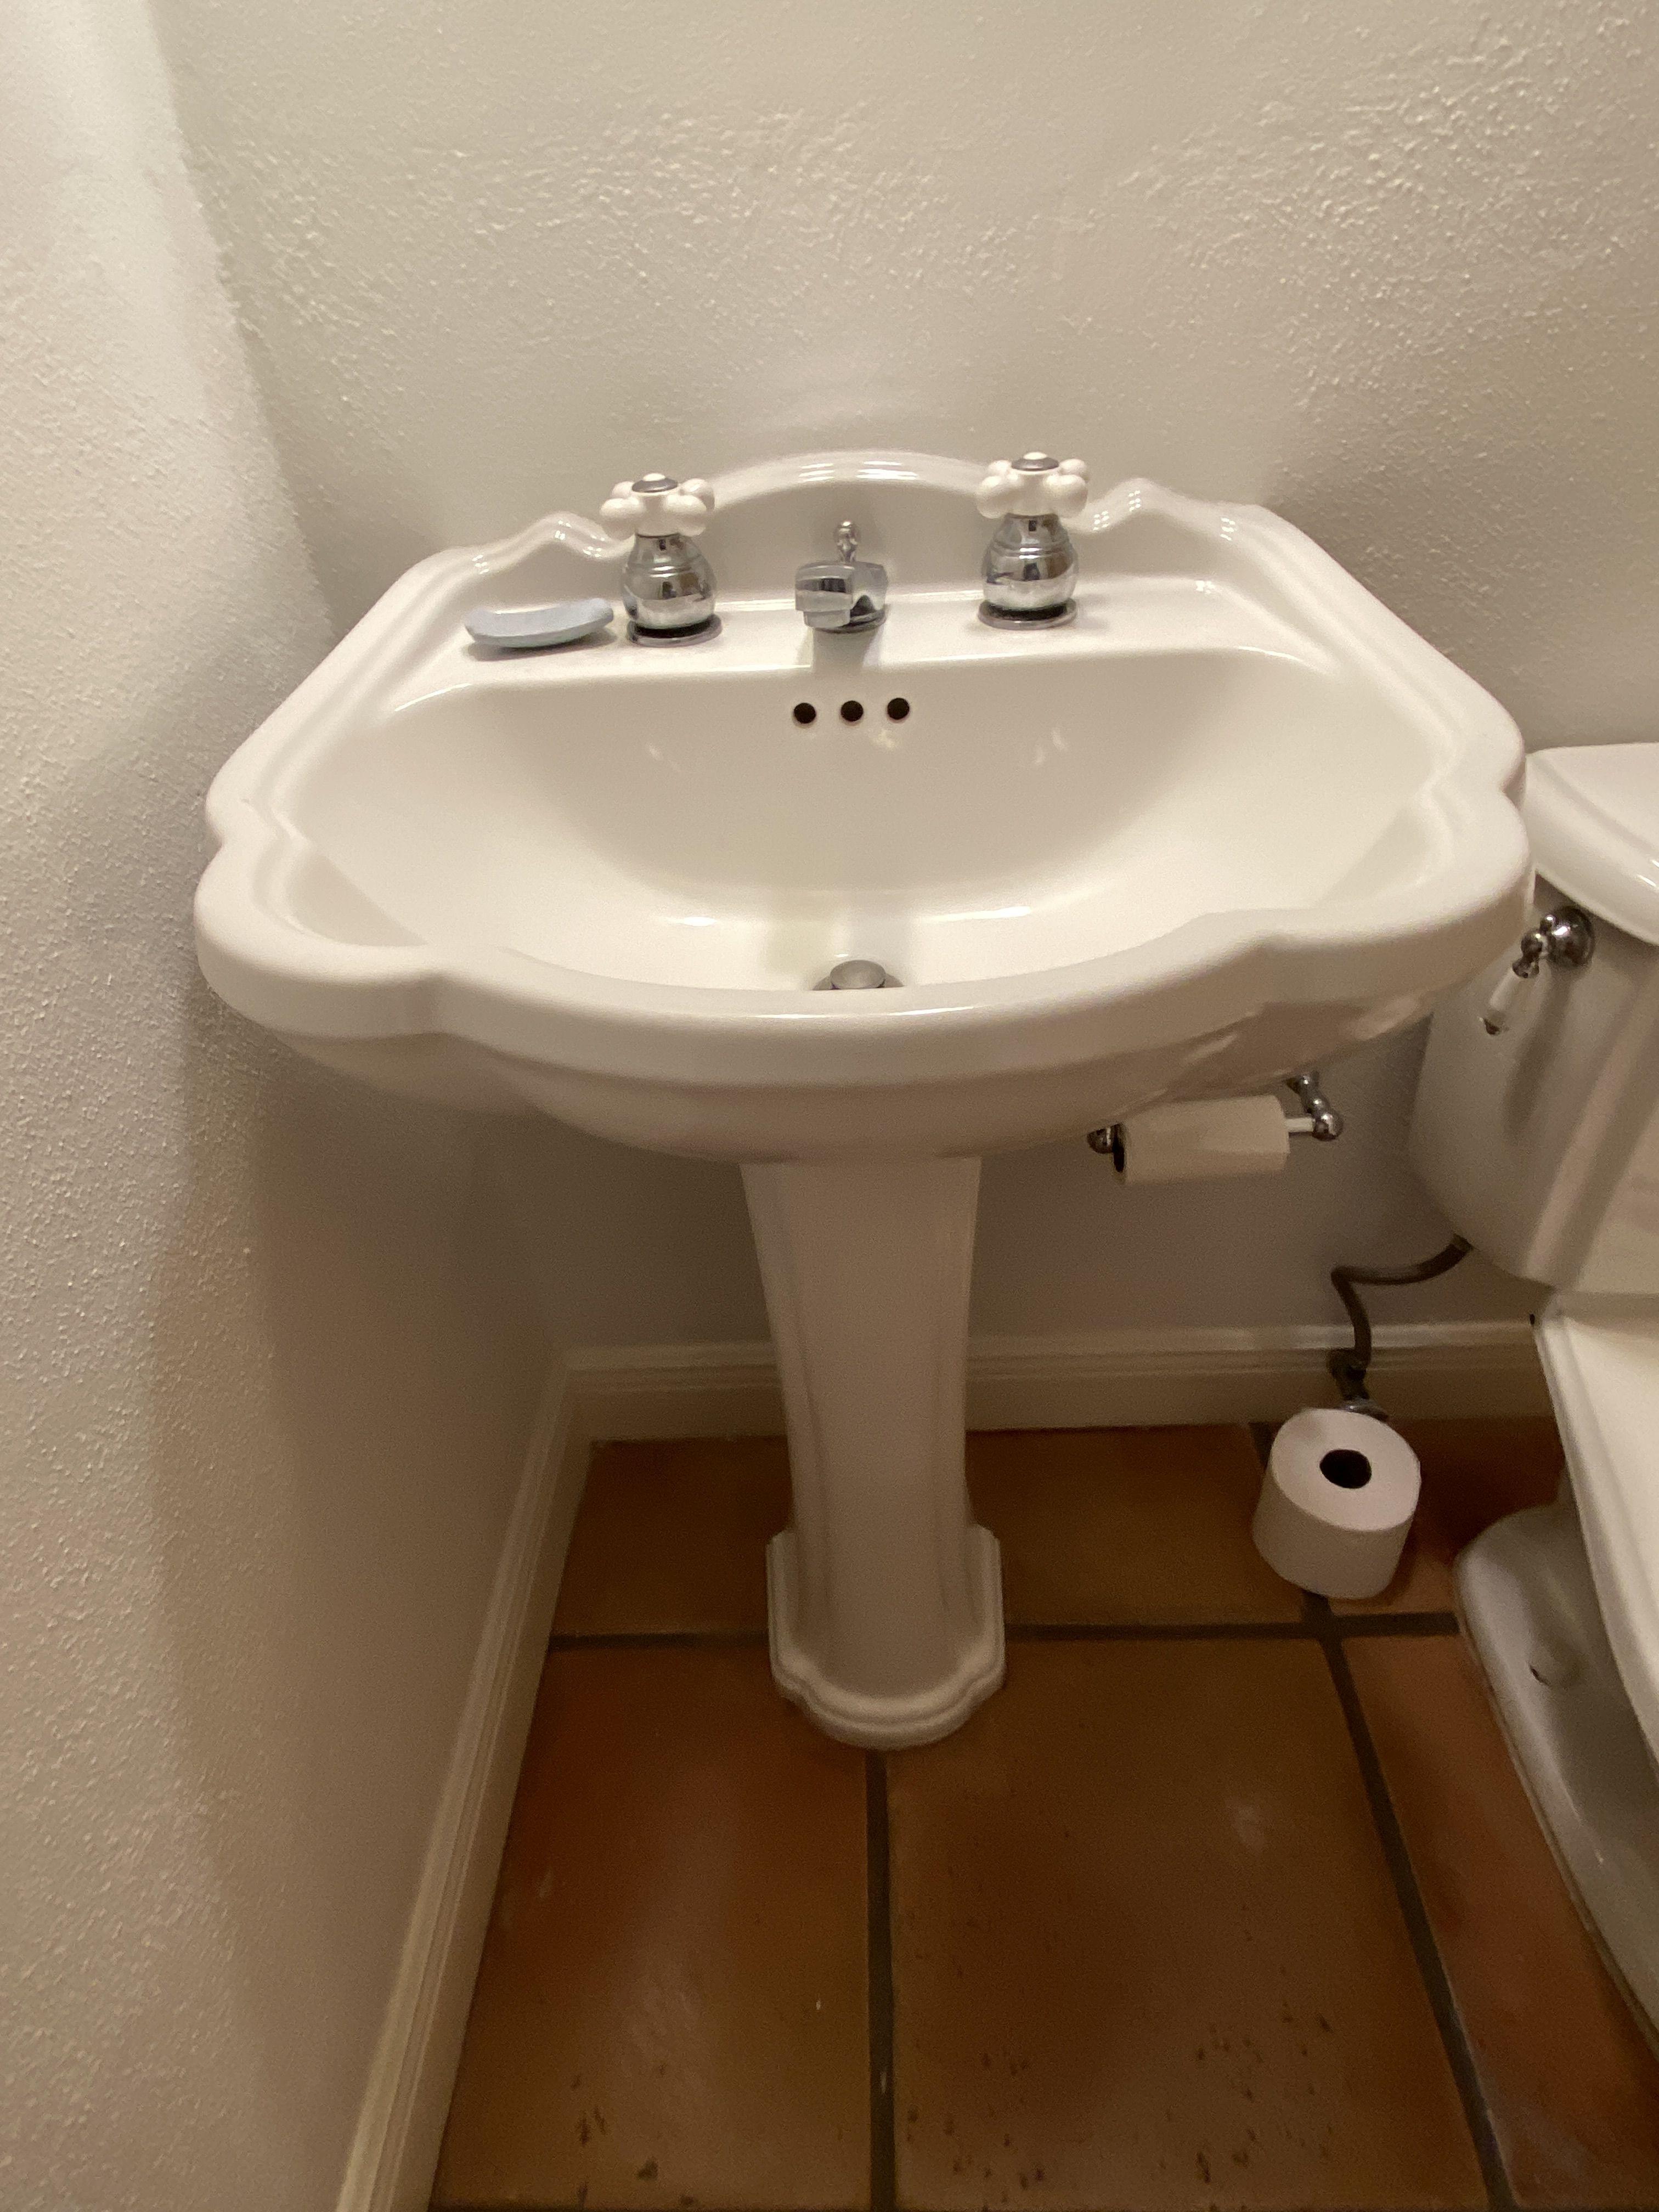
1118, 1377
394, 2153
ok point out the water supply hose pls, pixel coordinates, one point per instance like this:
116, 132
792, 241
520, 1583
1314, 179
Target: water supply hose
1351, 1367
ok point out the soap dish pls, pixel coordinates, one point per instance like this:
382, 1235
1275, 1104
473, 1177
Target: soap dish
532, 629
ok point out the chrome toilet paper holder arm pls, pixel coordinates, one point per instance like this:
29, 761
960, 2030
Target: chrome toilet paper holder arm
1318, 1119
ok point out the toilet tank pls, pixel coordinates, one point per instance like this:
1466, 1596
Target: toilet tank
1542, 1145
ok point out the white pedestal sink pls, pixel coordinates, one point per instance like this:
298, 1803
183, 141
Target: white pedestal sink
1233, 819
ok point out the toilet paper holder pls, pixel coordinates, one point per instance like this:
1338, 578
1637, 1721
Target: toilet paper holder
1318, 1119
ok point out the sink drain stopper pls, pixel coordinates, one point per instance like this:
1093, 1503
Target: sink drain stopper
858, 976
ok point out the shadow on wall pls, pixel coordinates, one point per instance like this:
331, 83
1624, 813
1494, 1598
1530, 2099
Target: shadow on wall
627, 1247
1064, 1246
344, 1381
637, 1248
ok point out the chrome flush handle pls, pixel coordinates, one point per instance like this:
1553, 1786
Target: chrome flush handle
1564, 938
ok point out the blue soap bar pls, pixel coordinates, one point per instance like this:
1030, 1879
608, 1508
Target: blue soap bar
527, 629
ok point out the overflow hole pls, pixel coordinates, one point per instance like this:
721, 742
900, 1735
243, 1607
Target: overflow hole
806, 713
897, 709
851, 711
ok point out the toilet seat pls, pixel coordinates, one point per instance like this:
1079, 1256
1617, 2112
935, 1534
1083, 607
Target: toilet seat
1601, 1359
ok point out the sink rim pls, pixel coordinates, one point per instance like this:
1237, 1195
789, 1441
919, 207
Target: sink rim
1405, 941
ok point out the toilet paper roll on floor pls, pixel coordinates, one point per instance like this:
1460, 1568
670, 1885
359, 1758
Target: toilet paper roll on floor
1198, 1138
1337, 1502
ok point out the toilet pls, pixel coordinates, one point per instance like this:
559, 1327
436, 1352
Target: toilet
1541, 1143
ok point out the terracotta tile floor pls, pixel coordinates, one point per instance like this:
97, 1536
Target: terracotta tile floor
1225, 1899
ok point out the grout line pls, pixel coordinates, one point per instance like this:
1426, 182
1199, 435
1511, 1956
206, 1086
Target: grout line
1430, 1965
1049, 1631
569, 2204
883, 2181
1347, 1627
1155, 1632
651, 1639
1360, 1625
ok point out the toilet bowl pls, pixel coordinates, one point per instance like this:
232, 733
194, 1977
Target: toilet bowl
1541, 1143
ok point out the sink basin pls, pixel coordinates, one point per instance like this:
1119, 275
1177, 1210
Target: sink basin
1233, 818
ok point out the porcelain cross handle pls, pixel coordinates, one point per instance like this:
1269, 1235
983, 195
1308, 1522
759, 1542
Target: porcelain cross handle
657, 506
1034, 484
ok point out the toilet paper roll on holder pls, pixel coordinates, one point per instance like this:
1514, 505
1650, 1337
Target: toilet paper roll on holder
1318, 1119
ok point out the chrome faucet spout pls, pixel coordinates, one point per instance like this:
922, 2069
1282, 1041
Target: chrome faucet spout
844, 595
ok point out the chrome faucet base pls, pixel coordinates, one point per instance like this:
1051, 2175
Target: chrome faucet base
693, 633
1020, 619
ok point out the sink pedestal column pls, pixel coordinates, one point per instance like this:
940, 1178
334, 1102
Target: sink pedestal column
884, 1597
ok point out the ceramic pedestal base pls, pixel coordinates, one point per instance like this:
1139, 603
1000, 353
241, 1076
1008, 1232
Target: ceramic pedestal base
885, 1598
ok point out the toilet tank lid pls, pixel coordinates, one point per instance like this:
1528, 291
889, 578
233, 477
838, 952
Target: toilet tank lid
1592, 814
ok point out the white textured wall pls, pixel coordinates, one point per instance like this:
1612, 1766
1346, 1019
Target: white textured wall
1390, 269
261, 1400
